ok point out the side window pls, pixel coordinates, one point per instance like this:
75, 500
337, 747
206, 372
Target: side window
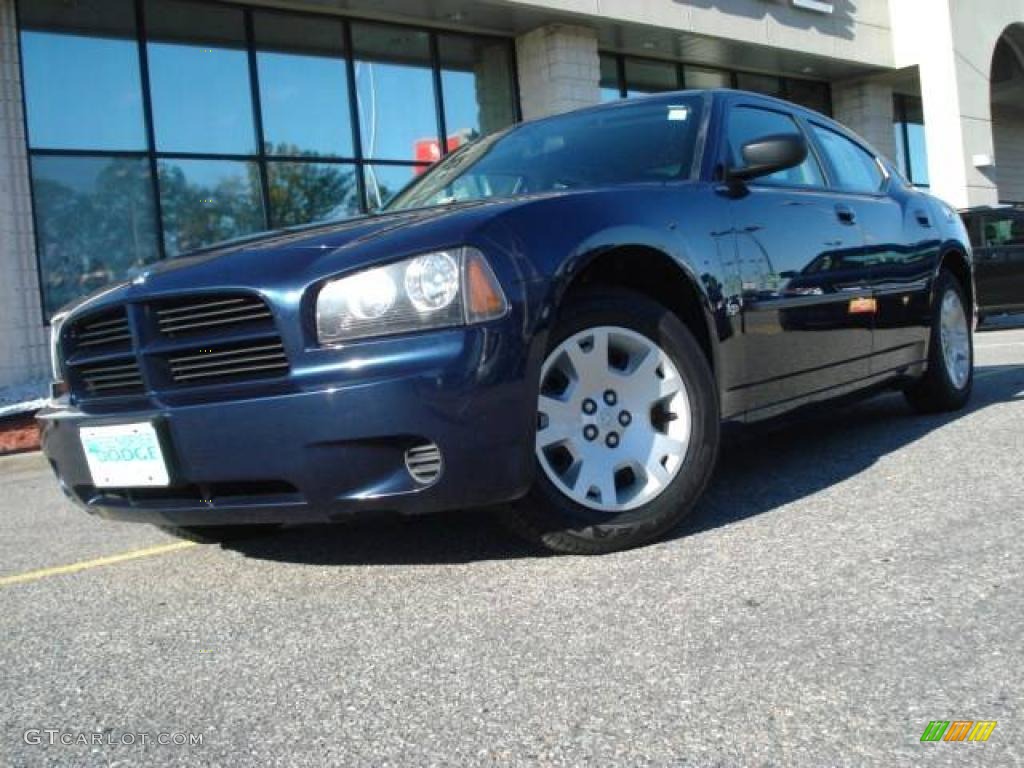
747, 124
855, 169
1004, 230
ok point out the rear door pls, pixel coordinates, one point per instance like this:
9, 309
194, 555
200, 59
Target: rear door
799, 265
901, 247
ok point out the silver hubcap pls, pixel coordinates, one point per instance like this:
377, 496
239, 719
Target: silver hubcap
956, 341
613, 423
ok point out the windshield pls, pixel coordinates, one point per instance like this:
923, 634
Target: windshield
639, 142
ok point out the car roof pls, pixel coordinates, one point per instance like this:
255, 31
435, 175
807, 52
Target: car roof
998, 208
667, 97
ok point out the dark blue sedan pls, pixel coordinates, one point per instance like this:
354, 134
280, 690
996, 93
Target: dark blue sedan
555, 320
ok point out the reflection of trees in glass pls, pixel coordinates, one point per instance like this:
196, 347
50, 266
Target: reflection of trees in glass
92, 236
201, 214
305, 192
197, 215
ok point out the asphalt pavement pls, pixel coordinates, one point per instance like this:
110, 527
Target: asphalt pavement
850, 576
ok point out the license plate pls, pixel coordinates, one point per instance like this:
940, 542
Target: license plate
124, 456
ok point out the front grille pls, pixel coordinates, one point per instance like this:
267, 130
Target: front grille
111, 378
252, 360
216, 313
187, 341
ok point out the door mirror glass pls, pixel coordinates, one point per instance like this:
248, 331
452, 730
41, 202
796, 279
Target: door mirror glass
768, 155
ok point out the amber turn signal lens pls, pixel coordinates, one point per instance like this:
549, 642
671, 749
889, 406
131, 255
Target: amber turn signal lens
484, 297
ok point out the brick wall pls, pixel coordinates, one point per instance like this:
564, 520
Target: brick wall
23, 346
559, 70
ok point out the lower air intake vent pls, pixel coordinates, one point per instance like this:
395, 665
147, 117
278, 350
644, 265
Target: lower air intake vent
253, 360
424, 463
111, 378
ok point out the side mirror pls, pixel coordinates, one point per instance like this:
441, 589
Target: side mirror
768, 155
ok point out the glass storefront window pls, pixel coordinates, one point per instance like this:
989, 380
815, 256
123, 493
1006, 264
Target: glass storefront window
303, 192
206, 201
222, 170
82, 84
646, 76
199, 78
699, 77
383, 182
303, 86
764, 84
610, 90
810, 94
476, 82
395, 91
95, 222
911, 148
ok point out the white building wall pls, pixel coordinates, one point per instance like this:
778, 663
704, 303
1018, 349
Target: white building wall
23, 342
952, 43
1009, 143
855, 31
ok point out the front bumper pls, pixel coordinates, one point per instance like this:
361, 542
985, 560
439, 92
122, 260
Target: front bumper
332, 443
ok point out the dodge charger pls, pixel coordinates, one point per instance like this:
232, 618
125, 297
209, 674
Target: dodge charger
554, 322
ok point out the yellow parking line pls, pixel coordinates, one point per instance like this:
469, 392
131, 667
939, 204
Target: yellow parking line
61, 570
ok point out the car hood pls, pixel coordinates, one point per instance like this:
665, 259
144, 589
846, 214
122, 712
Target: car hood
296, 257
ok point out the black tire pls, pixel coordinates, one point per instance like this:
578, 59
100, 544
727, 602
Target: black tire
217, 534
551, 519
936, 391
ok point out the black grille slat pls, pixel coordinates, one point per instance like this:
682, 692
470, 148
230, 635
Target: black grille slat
100, 341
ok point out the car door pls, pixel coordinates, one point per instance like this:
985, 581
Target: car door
901, 247
801, 270
999, 264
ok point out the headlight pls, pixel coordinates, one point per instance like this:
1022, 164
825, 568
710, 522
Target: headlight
435, 290
56, 324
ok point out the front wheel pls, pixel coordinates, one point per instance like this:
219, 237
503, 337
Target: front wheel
627, 427
946, 385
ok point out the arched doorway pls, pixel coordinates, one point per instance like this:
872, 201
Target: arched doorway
1008, 113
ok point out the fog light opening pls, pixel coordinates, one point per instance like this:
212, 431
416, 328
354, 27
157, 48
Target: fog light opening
424, 463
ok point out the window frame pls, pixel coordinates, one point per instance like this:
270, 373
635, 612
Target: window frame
263, 160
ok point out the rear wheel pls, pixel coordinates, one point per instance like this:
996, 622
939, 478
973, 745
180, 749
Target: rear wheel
627, 427
946, 385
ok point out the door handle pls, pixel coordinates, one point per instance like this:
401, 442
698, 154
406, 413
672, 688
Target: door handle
846, 215
922, 218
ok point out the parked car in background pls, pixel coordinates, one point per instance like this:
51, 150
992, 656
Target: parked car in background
554, 320
997, 235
